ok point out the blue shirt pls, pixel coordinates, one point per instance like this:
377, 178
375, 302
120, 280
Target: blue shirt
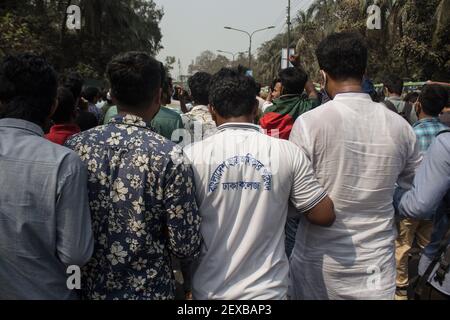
45, 223
142, 199
426, 131
431, 184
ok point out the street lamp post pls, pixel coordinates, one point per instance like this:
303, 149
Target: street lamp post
250, 35
231, 53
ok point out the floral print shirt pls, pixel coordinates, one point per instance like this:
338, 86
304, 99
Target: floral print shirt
199, 123
142, 201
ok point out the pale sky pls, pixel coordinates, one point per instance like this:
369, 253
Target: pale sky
192, 26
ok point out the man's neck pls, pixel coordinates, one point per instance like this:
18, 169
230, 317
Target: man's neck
146, 115
243, 119
423, 116
347, 86
66, 124
394, 95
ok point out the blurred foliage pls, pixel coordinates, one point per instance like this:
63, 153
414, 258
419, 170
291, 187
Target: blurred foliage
209, 62
108, 28
413, 42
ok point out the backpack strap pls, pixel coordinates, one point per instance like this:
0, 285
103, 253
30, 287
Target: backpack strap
406, 113
442, 132
437, 259
444, 267
390, 106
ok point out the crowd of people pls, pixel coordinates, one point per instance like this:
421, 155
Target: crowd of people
301, 194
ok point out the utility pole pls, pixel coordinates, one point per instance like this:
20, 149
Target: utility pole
288, 31
250, 35
180, 71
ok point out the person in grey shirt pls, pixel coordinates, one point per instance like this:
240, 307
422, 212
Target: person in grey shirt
45, 223
431, 185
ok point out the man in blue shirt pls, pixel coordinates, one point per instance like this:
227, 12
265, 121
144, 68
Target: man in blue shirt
431, 184
141, 192
432, 100
45, 223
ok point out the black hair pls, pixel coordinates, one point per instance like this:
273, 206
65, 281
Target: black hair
135, 79
66, 106
343, 55
411, 97
374, 96
274, 83
74, 82
199, 86
394, 84
90, 93
166, 84
232, 94
293, 80
86, 120
258, 89
433, 99
28, 85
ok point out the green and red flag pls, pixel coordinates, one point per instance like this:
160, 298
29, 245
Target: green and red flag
279, 118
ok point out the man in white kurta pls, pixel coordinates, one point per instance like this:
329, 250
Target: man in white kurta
359, 150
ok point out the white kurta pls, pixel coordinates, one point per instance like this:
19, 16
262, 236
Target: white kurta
359, 150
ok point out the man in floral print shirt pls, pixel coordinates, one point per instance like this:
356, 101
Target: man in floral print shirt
141, 192
199, 122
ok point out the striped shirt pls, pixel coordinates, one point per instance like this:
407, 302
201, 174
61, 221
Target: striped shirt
426, 131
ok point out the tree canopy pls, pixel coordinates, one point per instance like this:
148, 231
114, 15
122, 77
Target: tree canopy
108, 28
413, 41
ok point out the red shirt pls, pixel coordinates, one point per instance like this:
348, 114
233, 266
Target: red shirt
61, 132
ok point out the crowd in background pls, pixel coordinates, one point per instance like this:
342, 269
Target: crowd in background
294, 194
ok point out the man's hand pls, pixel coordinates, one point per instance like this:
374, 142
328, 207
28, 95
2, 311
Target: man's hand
295, 60
310, 89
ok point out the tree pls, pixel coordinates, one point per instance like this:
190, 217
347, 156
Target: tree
413, 41
209, 62
169, 63
108, 28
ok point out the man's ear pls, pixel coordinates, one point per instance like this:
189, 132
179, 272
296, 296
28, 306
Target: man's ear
418, 107
213, 112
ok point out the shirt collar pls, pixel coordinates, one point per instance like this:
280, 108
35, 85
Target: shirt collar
239, 126
394, 98
22, 125
65, 127
129, 120
200, 107
352, 95
425, 120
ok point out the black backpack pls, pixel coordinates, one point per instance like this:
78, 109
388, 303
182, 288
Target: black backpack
406, 112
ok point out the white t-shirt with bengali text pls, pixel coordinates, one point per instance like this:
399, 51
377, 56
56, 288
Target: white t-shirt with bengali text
245, 180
